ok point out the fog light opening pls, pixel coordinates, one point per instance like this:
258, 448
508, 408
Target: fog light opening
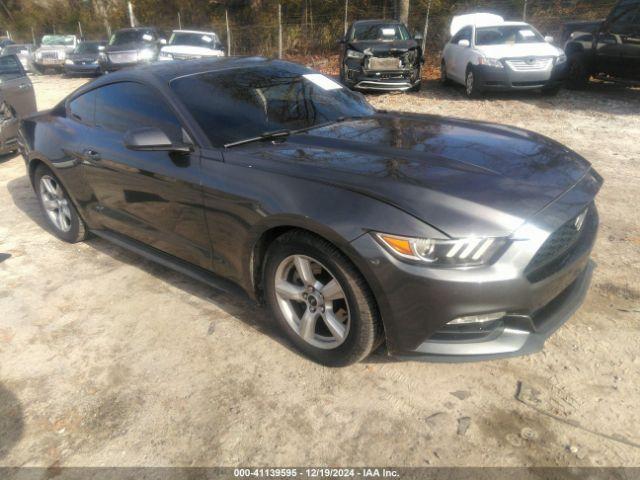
484, 318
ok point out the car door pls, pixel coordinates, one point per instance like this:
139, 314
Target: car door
154, 197
17, 98
615, 40
459, 55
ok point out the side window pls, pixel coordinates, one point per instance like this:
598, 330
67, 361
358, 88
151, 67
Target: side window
463, 34
82, 108
11, 67
127, 105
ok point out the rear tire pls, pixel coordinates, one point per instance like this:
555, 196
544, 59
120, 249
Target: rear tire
578, 76
59, 212
332, 290
444, 79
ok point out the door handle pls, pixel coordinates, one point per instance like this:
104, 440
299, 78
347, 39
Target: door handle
91, 154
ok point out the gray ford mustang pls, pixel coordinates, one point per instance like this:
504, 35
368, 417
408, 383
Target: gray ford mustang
446, 239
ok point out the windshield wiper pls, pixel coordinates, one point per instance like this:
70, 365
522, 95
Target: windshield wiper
263, 136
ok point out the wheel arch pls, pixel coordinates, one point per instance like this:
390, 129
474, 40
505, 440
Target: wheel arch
261, 243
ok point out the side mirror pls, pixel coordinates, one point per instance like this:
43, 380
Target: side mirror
101, 48
163, 41
464, 43
418, 37
150, 139
548, 39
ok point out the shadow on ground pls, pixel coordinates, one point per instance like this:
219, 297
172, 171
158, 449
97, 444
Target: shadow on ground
11, 421
241, 307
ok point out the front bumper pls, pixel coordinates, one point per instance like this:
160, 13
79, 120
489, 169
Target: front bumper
417, 302
500, 79
360, 78
90, 69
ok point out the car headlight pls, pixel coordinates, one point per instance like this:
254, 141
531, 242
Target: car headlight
68, 61
490, 62
62, 55
146, 54
461, 252
354, 54
561, 59
38, 55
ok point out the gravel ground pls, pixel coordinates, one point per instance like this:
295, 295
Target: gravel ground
107, 359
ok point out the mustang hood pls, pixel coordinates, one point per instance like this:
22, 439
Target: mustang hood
462, 177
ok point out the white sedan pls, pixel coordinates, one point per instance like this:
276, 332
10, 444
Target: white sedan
188, 44
487, 53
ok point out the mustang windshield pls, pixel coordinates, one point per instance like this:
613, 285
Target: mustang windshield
242, 103
507, 35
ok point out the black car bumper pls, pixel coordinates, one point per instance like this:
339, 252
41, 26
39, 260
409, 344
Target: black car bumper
384, 80
90, 69
418, 302
491, 78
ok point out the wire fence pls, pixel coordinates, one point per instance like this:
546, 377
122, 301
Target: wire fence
309, 32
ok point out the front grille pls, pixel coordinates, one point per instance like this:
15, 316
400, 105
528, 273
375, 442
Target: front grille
529, 64
185, 56
558, 248
382, 63
50, 55
124, 57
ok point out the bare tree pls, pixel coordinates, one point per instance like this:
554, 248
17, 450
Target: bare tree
403, 11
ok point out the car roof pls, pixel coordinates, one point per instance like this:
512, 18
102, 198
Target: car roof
381, 20
161, 73
204, 32
135, 28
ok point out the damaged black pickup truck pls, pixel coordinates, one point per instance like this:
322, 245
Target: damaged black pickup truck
380, 55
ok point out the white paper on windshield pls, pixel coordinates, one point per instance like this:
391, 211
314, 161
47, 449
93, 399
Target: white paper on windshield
207, 38
527, 33
323, 82
387, 32
147, 37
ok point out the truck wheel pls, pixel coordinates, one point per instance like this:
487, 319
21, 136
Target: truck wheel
578, 77
472, 83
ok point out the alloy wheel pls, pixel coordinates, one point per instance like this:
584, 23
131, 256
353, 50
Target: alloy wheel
312, 301
55, 203
469, 83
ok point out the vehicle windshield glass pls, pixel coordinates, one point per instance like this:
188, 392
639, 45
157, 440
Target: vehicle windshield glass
507, 35
9, 67
131, 36
379, 32
65, 40
87, 47
206, 40
14, 49
241, 103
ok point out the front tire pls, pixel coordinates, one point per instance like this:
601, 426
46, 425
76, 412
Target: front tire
59, 212
320, 300
577, 77
471, 84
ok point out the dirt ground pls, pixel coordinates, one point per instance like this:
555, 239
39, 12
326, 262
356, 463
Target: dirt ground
107, 359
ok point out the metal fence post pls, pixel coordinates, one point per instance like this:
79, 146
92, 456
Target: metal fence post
426, 29
524, 11
226, 19
279, 30
346, 10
